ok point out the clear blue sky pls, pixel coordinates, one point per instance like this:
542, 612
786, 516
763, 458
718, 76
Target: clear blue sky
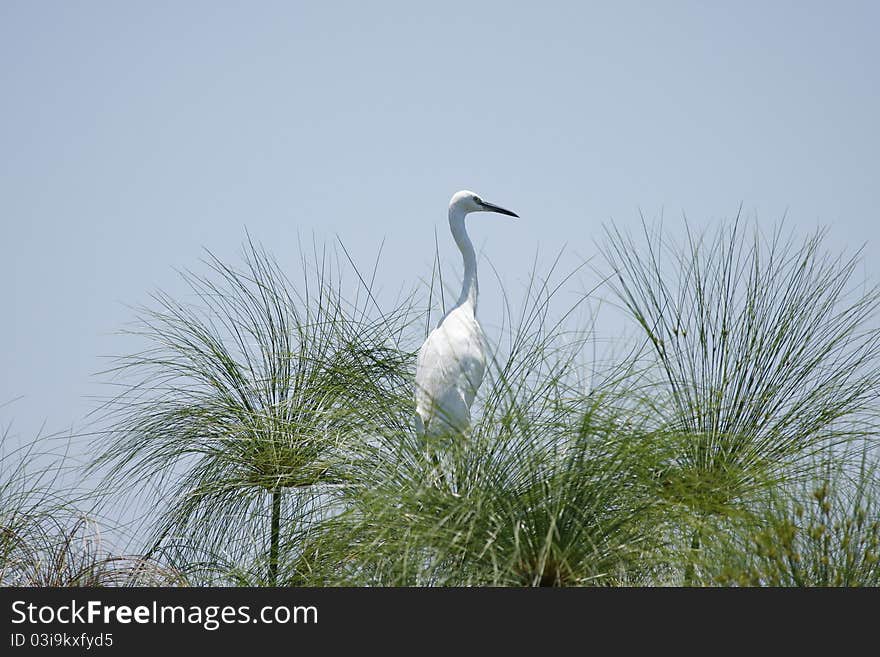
135, 133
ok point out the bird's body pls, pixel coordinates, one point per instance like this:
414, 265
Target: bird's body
452, 361
450, 369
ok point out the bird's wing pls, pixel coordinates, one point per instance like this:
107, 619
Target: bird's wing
451, 361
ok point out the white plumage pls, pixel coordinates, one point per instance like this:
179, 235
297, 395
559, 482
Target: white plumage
452, 360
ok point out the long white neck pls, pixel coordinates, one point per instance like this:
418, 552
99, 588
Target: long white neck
459, 233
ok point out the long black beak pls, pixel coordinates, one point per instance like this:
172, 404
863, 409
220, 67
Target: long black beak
491, 207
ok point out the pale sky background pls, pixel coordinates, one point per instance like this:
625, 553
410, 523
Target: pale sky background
133, 134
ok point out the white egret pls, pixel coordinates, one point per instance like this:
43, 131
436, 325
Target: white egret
452, 361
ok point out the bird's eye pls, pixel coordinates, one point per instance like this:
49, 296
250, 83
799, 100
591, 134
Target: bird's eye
477, 199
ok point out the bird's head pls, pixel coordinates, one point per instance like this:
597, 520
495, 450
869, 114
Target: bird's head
464, 202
